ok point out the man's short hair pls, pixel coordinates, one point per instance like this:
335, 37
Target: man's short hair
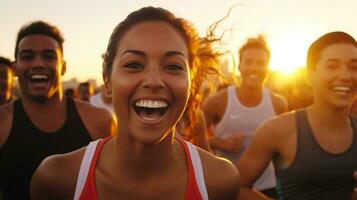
254, 43
315, 49
39, 28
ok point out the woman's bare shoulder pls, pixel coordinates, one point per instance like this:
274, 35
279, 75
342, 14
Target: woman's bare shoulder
221, 176
56, 176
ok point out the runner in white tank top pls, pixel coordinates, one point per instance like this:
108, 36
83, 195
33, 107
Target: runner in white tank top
101, 101
244, 120
237, 111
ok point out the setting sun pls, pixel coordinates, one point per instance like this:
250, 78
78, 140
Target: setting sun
287, 53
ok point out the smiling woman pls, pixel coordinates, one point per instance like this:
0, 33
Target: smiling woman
153, 68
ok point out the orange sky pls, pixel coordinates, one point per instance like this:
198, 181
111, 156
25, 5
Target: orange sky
290, 25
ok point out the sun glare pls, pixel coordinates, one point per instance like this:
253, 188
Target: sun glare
287, 54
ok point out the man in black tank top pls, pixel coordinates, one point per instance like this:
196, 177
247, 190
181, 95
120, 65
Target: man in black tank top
314, 150
43, 122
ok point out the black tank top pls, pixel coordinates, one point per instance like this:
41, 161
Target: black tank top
317, 174
26, 146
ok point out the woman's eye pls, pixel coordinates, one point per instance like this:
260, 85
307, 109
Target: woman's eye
133, 65
174, 67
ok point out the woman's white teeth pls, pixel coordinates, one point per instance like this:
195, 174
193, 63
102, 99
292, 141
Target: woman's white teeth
150, 110
151, 103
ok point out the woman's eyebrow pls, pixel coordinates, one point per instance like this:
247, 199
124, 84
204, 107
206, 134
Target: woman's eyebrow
174, 53
136, 52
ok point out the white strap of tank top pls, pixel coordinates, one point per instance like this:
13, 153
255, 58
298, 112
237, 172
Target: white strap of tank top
85, 165
197, 168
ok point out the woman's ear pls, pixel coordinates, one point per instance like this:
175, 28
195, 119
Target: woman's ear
107, 85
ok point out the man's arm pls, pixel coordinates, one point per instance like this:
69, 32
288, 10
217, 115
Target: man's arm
6, 117
233, 144
106, 123
256, 159
280, 104
214, 108
201, 136
211, 109
211, 115
99, 121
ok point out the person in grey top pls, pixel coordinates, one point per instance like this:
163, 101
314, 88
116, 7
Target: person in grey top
314, 150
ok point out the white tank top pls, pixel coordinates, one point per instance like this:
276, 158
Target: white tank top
97, 101
241, 119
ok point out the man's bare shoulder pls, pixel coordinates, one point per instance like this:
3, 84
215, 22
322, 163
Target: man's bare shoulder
221, 176
7, 107
99, 121
279, 102
217, 97
6, 117
56, 176
278, 125
90, 109
214, 106
6, 111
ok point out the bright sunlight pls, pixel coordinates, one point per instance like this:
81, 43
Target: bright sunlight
287, 53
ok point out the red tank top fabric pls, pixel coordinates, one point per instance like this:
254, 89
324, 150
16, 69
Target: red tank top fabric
89, 191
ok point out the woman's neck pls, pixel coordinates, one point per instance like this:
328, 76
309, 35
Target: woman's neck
139, 160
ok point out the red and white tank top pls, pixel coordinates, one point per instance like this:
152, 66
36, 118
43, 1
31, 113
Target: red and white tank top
86, 189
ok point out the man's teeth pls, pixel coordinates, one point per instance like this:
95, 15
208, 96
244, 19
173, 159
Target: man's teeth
253, 76
341, 89
151, 103
39, 77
